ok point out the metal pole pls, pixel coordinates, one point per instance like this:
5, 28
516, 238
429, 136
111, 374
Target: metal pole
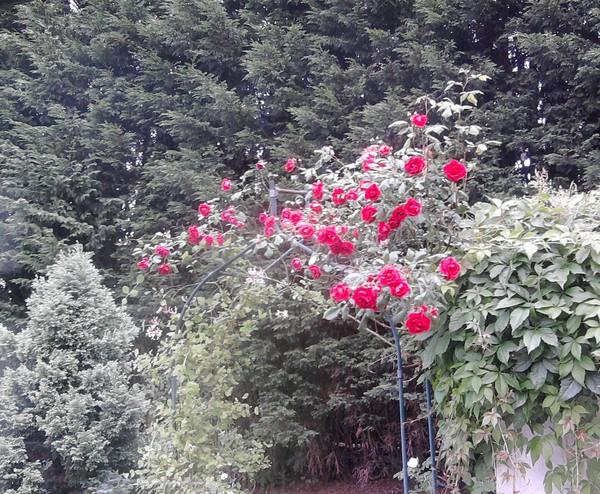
401, 405
431, 436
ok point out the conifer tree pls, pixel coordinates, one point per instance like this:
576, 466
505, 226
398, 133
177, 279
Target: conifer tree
69, 412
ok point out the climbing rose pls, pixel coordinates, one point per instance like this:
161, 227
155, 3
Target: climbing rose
402, 289
209, 240
352, 195
162, 251
164, 269
262, 217
305, 230
315, 271
414, 165
342, 248
290, 165
368, 213
412, 207
204, 209
226, 184
455, 170
297, 264
261, 164
384, 229
369, 160
337, 196
193, 235
389, 276
397, 217
315, 207
269, 231
419, 120
340, 292
317, 189
144, 263
450, 268
418, 323
296, 216
372, 192
384, 150
220, 239
365, 297
327, 235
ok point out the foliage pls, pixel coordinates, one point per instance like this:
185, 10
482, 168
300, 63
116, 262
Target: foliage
521, 342
412, 220
69, 410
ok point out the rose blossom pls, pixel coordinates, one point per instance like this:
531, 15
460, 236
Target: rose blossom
365, 297
417, 323
384, 150
269, 231
450, 268
341, 248
164, 269
368, 213
285, 213
261, 164
327, 235
209, 240
297, 264
412, 207
315, 271
162, 251
337, 196
315, 207
389, 276
306, 231
220, 239
372, 192
340, 292
402, 289
369, 160
414, 165
352, 195
317, 189
204, 209
290, 165
193, 235
419, 120
144, 263
397, 217
296, 216
455, 170
384, 229
226, 184
262, 217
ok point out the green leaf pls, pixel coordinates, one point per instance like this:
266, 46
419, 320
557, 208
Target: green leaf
140, 278
538, 374
592, 382
125, 290
504, 351
476, 383
568, 389
509, 302
332, 313
518, 317
531, 340
530, 249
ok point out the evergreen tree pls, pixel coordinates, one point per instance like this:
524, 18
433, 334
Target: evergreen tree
70, 412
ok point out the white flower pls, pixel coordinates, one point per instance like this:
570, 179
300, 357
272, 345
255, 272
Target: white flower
282, 314
413, 463
154, 332
2, 283
256, 276
224, 476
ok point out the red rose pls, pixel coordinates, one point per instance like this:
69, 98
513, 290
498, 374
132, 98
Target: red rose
450, 268
261, 164
367, 162
342, 248
414, 165
226, 184
384, 229
296, 216
455, 170
368, 213
315, 271
290, 165
352, 195
285, 213
412, 207
262, 217
397, 217
269, 230
384, 150
402, 289
204, 209
317, 189
419, 120
164, 269
315, 207
193, 235
389, 276
297, 264
372, 192
327, 235
144, 263
340, 292
417, 323
337, 196
220, 239
270, 221
306, 231
209, 240
365, 297
162, 251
